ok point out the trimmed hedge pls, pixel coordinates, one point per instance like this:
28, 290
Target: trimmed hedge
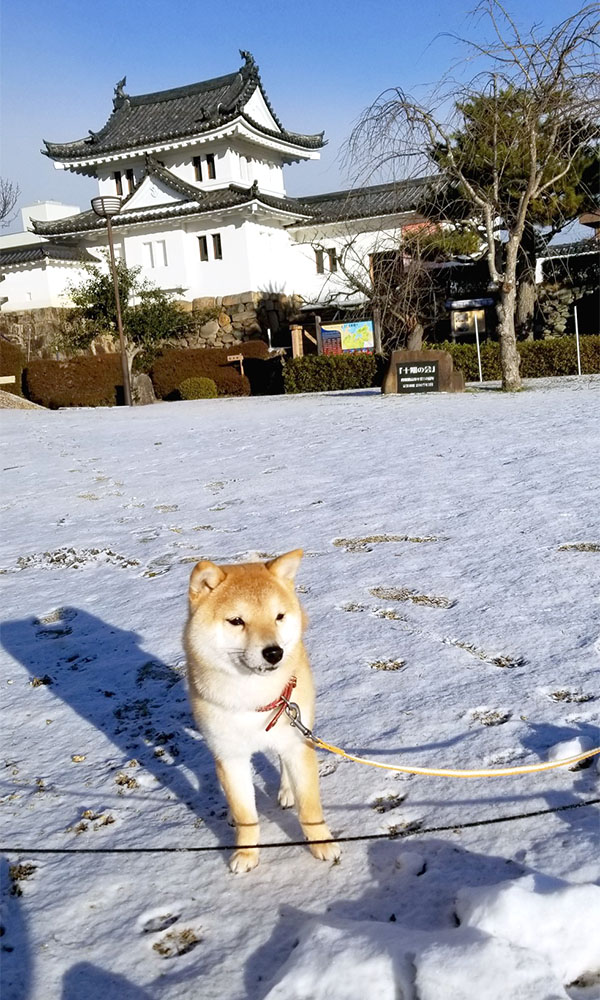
82, 381
198, 387
175, 365
328, 372
12, 362
539, 358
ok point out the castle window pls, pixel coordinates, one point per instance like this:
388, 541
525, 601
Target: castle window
130, 180
217, 248
332, 260
197, 161
118, 183
319, 256
210, 166
203, 247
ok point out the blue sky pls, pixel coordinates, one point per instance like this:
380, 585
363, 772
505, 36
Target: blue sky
321, 64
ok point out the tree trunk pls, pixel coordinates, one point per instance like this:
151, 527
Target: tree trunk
509, 355
414, 340
526, 287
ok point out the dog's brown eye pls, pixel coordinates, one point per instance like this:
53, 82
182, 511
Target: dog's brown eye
235, 621
280, 617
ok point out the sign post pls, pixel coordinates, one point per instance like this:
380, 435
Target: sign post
478, 350
577, 340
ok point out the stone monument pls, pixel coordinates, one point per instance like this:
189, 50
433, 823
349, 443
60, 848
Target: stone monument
422, 371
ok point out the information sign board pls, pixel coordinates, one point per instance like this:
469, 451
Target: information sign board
418, 376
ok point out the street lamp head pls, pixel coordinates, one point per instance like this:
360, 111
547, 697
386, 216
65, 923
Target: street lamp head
106, 205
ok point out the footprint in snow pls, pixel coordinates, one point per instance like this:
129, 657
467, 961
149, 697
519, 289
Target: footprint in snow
489, 716
406, 594
158, 920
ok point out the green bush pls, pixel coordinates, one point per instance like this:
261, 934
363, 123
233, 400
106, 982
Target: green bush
175, 365
539, 358
12, 362
82, 381
327, 372
198, 387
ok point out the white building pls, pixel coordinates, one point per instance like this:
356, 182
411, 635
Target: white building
204, 210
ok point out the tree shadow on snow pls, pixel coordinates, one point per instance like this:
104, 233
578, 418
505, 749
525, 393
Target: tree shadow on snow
414, 882
16, 958
138, 702
135, 699
87, 980
543, 735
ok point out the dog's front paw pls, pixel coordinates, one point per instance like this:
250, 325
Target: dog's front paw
243, 860
326, 852
285, 798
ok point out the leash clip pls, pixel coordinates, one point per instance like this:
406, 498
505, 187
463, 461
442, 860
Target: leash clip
292, 710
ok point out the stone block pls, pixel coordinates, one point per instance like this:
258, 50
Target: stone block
183, 305
209, 329
232, 300
143, 390
204, 302
224, 319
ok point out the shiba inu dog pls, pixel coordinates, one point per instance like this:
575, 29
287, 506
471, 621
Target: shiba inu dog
244, 649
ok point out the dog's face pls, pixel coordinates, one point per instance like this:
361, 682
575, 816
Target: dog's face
246, 618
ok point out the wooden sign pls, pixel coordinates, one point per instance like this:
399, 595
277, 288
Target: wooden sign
237, 357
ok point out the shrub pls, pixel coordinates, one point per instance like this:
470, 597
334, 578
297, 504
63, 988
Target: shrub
174, 366
327, 372
12, 362
539, 358
198, 387
82, 381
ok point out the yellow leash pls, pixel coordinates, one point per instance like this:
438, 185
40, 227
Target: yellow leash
452, 772
292, 711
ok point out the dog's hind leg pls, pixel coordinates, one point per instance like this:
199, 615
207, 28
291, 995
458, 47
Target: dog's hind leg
286, 795
235, 776
302, 769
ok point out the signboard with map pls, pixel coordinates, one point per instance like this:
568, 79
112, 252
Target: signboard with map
348, 338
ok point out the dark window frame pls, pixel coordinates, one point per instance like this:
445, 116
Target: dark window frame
130, 180
118, 182
320, 261
203, 248
211, 169
197, 164
217, 246
332, 255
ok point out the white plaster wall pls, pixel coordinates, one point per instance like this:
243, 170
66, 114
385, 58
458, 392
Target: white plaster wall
356, 247
218, 277
271, 258
37, 287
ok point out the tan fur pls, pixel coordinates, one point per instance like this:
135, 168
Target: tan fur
230, 678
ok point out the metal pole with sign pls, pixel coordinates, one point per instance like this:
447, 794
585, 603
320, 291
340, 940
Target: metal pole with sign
577, 341
478, 350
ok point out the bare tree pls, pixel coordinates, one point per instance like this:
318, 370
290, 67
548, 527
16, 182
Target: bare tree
395, 271
504, 141
9, 195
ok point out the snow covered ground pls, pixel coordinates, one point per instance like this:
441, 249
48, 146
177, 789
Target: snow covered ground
452, 549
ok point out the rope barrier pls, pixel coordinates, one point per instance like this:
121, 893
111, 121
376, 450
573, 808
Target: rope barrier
213, 848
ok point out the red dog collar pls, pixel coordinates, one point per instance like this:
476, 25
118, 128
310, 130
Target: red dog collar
279, 704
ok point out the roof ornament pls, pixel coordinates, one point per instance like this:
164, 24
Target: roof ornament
254, 190
120, 95
250, 65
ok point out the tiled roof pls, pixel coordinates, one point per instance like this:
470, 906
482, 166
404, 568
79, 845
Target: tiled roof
195, 201
43, 251
372, 201
590, 245
180, 113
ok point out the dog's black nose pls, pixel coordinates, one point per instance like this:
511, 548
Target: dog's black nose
272, 654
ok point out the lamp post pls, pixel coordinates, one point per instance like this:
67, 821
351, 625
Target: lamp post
106, 207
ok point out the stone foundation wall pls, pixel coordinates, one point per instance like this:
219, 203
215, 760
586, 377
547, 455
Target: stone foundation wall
219, 322
33, 330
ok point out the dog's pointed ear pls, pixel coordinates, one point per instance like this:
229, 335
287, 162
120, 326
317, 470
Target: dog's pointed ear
286, 566
205, 577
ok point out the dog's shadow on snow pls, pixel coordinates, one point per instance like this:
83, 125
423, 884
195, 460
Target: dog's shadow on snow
137, 701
